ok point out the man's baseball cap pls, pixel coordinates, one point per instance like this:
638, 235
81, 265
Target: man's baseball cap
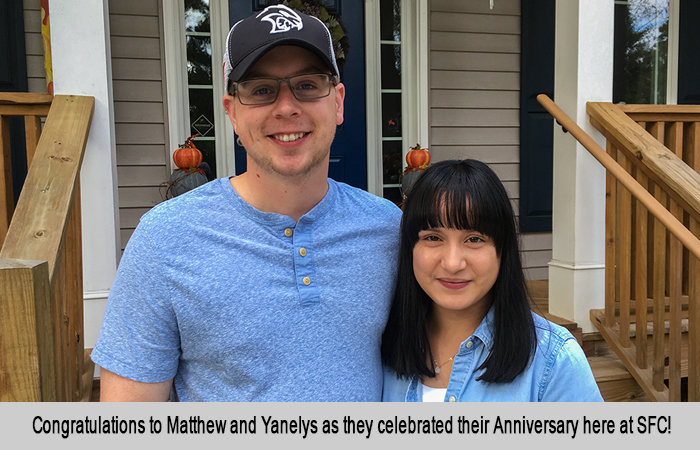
249, 39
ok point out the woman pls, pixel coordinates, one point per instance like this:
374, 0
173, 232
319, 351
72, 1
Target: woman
460, 326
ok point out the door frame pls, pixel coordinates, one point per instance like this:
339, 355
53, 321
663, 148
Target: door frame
415, 80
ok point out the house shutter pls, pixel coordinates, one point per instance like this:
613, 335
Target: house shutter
688, 55
13, 78
536, 125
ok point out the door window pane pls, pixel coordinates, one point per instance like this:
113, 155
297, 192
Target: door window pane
641, 51
198, 60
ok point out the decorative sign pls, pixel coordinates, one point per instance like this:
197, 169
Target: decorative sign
202, 125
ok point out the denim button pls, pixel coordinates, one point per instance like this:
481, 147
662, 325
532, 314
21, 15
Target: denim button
306, 280
469, 344
452, 398
288, 232
302, 251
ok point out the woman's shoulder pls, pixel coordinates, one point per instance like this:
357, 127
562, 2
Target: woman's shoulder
550, 331
566, 374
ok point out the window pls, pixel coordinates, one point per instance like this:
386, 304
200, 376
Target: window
641, 51
391, 98
195, 31
200, 87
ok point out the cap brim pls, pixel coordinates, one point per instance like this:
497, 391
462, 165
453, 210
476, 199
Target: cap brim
246, 64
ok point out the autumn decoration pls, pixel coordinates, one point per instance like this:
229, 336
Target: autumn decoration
418, 160
189, 174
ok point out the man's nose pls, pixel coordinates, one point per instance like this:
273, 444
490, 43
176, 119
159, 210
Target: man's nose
286, 103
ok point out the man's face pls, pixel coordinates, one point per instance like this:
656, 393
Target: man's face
289, 137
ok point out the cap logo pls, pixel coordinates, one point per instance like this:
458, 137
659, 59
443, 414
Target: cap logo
282, 18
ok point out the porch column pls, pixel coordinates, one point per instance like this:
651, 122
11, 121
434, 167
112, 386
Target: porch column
583, 72
81, 65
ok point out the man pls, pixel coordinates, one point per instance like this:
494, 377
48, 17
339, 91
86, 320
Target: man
273, 285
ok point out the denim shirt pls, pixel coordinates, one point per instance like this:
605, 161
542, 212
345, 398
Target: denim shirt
559, 371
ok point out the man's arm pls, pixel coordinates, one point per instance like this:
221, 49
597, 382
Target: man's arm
116, 388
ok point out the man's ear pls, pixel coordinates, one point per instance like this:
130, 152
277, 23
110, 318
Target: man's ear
339, 103
229, 106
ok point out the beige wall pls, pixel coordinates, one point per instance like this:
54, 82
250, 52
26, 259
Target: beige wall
36, 74
136, 33
475, 98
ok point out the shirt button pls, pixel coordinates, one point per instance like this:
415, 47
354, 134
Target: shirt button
306, 280
469, 344
288, 232
302, 251
452, 398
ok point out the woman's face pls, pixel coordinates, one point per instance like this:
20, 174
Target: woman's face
456, 268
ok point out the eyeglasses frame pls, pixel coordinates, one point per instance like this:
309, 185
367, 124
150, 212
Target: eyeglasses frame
333, 79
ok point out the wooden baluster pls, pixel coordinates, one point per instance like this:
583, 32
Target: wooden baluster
641, 268
7, 202
624, 233
60, 326
675, 284
674, 142
72, 262
659, 295
610, 242
32, 131
694, 322
692, 157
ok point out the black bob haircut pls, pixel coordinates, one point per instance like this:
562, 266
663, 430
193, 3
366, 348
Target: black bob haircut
464, 195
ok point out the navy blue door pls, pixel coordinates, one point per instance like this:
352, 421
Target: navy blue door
349, 150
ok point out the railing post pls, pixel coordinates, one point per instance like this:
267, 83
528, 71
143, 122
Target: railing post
28, 367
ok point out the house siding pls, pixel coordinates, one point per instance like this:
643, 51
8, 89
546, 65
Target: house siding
474, 99
36, 74
140, 110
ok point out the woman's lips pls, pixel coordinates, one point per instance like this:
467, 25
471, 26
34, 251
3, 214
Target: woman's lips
453, 284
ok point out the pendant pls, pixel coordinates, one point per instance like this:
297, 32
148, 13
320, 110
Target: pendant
437, 370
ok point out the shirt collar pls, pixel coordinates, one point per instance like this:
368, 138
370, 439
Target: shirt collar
279, 219
484, 332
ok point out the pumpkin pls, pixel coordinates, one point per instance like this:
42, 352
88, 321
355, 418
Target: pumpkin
418, 158
187, 156
183, 180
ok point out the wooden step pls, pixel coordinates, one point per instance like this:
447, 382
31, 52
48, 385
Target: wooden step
615, 382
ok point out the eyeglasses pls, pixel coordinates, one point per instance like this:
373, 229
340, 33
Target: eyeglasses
263, 91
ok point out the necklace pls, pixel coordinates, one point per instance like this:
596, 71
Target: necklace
438, 367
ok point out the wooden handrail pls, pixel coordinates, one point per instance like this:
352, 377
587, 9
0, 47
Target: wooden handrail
42, 355
660, 164
24, 104
691, 242
40, 220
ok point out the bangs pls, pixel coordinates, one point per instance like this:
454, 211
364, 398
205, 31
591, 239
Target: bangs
460, 198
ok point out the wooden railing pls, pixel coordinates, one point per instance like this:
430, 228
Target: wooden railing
42, 356
652, 274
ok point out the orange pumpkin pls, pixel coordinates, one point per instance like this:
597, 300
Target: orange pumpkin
188, 155
418, 158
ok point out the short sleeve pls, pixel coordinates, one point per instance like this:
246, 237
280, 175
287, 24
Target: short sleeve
139, 337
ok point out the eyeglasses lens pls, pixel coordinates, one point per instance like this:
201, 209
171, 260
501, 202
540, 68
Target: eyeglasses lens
263, 91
